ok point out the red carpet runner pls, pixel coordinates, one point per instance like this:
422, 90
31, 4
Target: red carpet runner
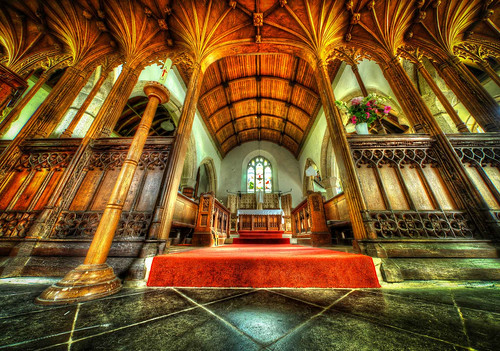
264, 266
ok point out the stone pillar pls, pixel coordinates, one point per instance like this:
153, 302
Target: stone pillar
352, 189
330, 185
47, 116
485, 66
64, 192
64, 93
462, 128
465, 192
14, 113
95, 278
68, 132
481, 105
162, 221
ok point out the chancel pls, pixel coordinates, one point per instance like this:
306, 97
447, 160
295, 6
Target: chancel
169, 169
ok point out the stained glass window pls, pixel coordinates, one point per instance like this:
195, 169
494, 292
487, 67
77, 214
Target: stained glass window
259, 175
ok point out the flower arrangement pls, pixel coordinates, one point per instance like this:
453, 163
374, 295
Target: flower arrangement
365, 109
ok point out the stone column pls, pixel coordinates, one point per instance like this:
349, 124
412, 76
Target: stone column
352, 189
47, 116
64, 192
14, 113
65, 92
68, 132
465, 192
329, 184
162, 221
95, 278
481, 105
485, 66
462, 128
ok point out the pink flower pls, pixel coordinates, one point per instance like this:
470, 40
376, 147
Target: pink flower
369, 103
356, 100
368, 115
353, 120
387, 109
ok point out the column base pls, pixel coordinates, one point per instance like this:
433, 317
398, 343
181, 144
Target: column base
85, 282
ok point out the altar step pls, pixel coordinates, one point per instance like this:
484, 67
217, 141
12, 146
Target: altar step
263, 241
263, 237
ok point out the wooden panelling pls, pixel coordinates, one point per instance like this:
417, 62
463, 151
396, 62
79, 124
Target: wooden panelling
282, 86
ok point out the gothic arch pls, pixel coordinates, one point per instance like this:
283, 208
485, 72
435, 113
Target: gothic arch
206, 168
307, 185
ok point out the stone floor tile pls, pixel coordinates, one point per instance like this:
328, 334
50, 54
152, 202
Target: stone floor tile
193, 330
207, 295
263, 315
440, 321
320, 297
338, 331
111, 313
36, 330
435, 296
487, 299
482, 328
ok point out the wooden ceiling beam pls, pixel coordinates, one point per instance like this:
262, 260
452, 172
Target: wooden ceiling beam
255, 115
227, 93
241, 79
258, 129
290, 95
258, 78
253, 99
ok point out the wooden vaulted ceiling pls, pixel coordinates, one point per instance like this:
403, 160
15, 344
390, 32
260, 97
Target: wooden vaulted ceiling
259, 97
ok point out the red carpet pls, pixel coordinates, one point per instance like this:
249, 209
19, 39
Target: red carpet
264, 266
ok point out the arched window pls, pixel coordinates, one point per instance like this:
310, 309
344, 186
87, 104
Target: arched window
259, 175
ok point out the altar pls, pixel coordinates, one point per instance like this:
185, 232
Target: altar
260, 221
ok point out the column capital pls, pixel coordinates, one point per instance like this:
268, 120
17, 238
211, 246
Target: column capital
158, 90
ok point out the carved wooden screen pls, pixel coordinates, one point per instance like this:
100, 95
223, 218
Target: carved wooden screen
80, 220
405, 190
29, 185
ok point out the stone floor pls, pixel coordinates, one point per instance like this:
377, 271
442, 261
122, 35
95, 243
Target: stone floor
417, 316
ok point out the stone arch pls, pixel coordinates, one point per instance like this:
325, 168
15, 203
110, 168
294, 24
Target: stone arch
206, 169
307, 183
396, 108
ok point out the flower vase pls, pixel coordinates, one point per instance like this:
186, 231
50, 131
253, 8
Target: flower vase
362, 128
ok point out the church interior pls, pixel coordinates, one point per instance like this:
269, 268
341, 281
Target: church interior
250, 174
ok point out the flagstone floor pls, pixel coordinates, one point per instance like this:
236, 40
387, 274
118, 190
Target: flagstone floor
416, 316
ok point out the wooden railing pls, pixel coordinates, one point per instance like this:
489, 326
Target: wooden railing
212, 223
309, 222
